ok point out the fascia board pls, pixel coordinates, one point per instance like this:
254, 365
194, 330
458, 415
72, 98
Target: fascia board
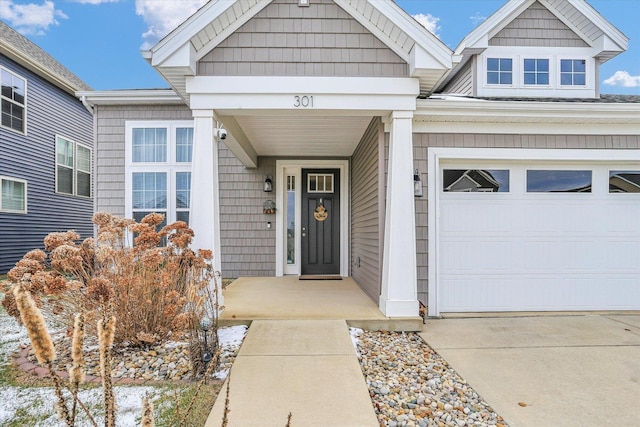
353, 12
596, 112
480, 36
414, 30
609, 29
36, 68
130, 97
231, 29
320, 85
189, 28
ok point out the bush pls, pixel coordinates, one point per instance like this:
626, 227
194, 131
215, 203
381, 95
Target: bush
155, 292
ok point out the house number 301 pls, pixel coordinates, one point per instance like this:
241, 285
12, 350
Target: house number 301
303, 101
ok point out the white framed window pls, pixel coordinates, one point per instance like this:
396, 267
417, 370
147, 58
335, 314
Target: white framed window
13, 99
499, 71
536, 71
158, 158
573, 72
13, 195
73, 168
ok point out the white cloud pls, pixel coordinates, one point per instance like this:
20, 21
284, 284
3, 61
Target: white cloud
163, 16
477, 19
94, 1
428, 21
30, 18
623, 79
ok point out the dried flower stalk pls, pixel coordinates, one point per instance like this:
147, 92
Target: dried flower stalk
36, 328
106, 333
147, 413
77, 372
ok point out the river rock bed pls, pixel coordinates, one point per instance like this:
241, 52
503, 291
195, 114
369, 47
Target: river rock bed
411, 385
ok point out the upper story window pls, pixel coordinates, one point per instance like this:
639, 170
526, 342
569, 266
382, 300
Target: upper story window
499, 71
573, 72
13, 98
73, 168
13, 195
536, 72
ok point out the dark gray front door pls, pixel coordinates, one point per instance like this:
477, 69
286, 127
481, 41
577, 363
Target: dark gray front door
320, 221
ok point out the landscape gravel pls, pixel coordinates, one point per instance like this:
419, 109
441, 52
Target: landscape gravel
411, 385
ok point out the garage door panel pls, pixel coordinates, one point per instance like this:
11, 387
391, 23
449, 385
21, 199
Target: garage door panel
482, 255
522, 251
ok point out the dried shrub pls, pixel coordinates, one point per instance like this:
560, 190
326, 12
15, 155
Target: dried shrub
156, 292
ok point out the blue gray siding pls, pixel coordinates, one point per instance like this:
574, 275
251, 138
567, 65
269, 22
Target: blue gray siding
50, 112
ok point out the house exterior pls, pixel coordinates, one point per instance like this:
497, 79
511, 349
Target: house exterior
350, 109
46, 149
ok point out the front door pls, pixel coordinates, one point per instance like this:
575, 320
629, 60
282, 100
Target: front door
320, 221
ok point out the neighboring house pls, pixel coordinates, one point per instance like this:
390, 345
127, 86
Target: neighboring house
340, 102
46, 149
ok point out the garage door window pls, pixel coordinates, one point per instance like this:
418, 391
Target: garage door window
558, 181
475, 180
624, 182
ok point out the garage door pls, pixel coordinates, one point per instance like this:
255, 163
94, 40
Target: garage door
516, 236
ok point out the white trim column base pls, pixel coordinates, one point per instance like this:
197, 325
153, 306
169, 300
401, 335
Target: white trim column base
399, 293
204, 214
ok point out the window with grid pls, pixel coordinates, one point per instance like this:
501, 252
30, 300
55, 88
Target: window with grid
536, 71
499, 71
13, 98
573, 72
13, 195
149, 145
158, 168
73, 168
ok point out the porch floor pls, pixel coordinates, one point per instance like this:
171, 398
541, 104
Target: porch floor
288, 298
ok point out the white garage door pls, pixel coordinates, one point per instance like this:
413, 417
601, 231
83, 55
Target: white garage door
538, 237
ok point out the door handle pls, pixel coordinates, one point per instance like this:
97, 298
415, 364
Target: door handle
304, 234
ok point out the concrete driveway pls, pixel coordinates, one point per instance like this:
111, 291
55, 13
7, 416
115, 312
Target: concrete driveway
550, 370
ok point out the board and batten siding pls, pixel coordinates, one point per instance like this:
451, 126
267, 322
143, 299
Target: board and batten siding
422, 141
285, 39
31, 157
110, 157
537, 27
367, 210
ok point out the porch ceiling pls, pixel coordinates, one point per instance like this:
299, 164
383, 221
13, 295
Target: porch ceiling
308, 136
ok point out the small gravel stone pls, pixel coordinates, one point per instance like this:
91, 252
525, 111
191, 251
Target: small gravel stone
420, 388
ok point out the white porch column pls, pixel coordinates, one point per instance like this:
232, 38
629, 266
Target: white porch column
399, 295
204, 217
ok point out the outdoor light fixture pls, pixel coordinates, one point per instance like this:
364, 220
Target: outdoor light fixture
417, 184
268, 185
206, 324
303, 2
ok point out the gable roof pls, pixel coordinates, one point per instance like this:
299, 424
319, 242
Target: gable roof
605, 40
176, 55
26, 53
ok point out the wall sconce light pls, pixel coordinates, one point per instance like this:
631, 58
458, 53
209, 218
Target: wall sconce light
417, 184
303, 2
268, 185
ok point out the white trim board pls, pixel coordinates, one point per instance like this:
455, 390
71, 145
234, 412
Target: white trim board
345, 232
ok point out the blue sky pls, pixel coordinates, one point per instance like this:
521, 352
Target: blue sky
100, 40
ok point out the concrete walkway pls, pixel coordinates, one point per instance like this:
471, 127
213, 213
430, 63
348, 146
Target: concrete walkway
567, 370
304, 367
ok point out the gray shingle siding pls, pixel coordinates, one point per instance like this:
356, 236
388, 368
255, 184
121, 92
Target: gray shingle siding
109, 156
537, 27
287, 40
50, 112
422, 141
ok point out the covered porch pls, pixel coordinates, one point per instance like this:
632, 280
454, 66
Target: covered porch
289, 298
